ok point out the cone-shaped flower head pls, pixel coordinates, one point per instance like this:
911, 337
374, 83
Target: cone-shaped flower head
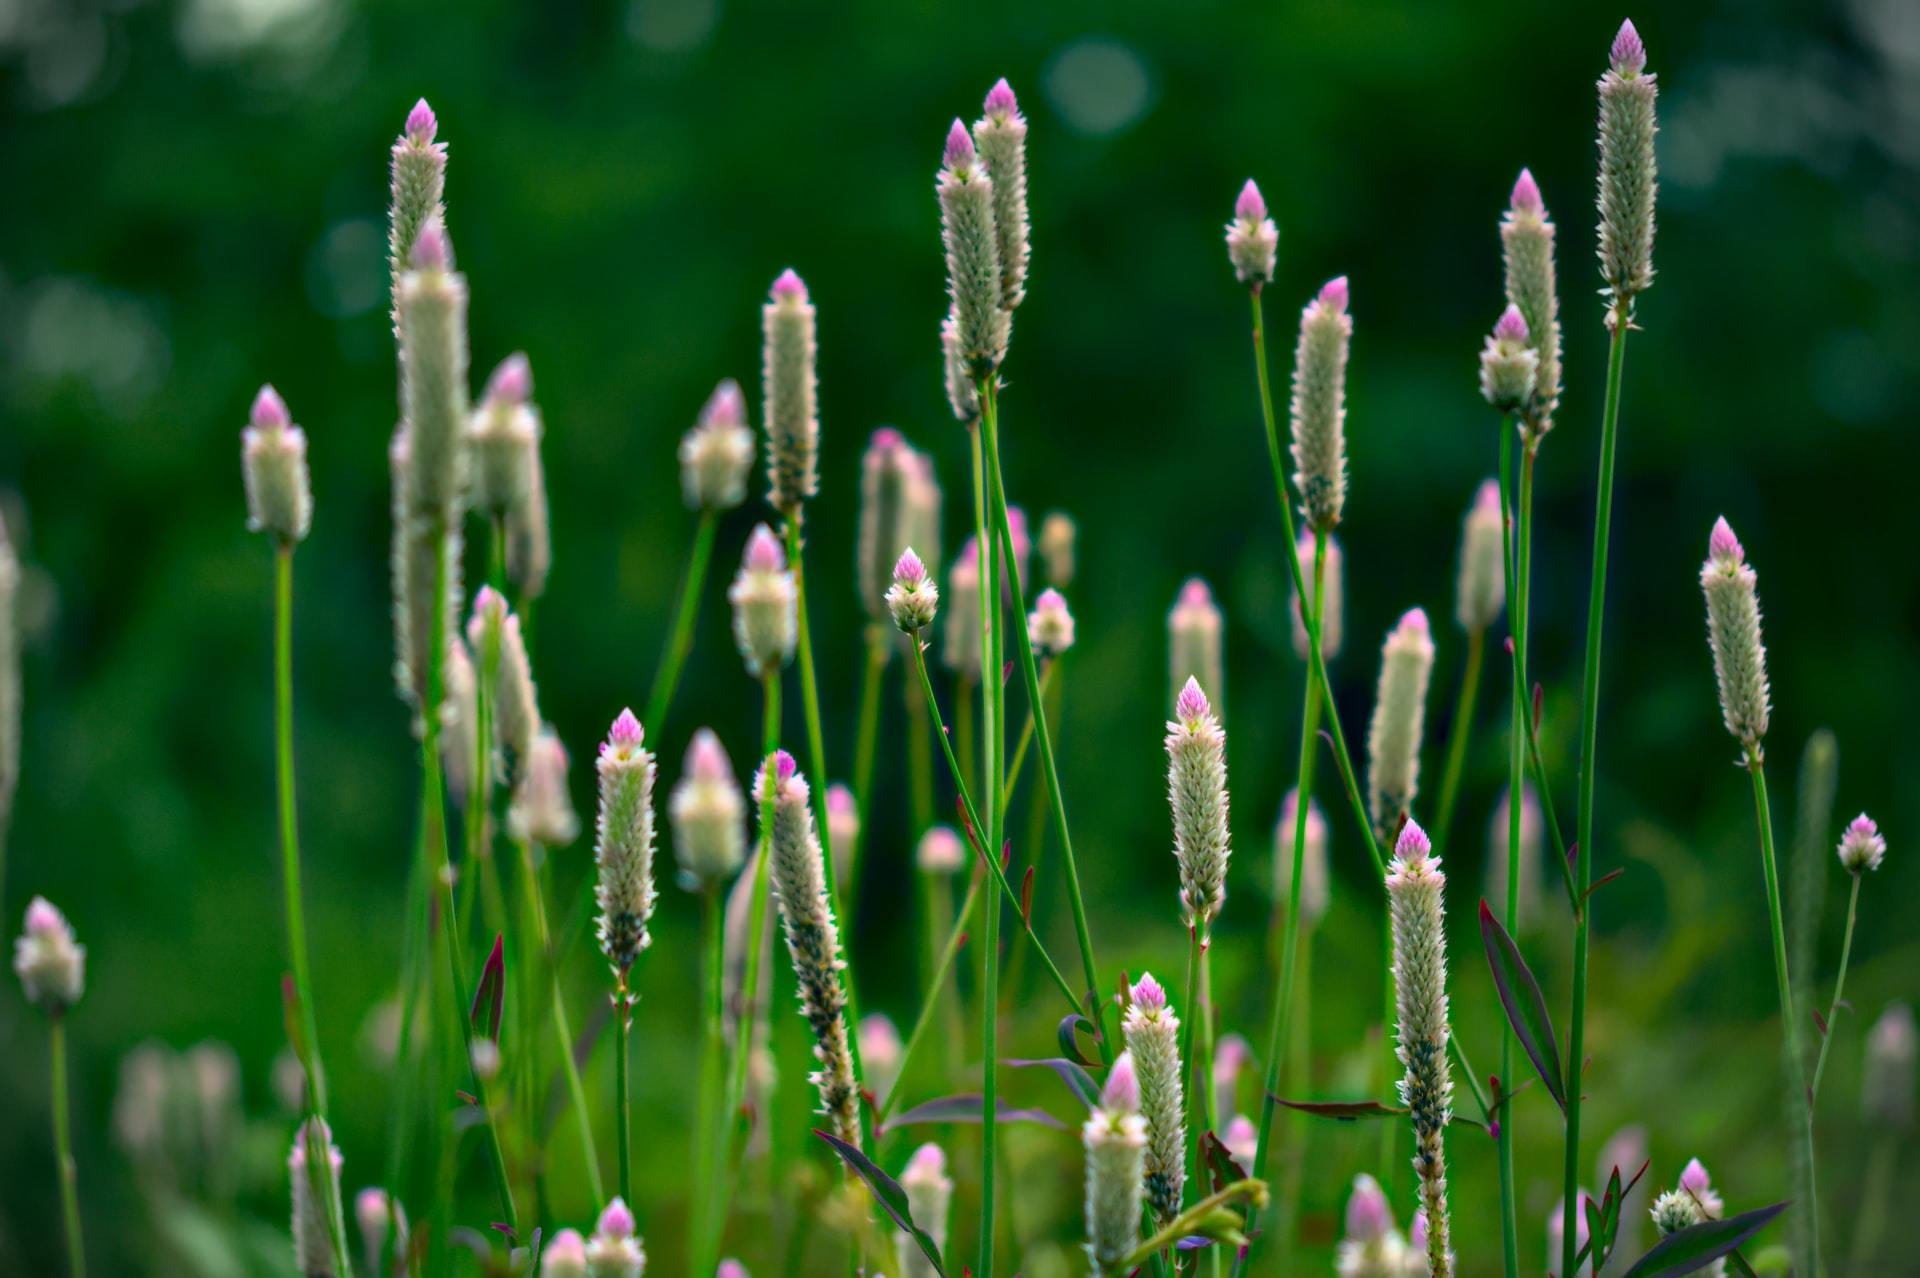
765, 604
564, 1256
1415, 886
708, 815
51, 964
314, 1188
419, 179
1528, 902
975, 281
940, 851
1695, 1181
1242, 1140
1197, 791
1196, 640
1253, 241
813, 940
1115, 1137
432, 304
789, 375
1526, 241
1862, 847
1333, 601
1673, 1210
1313, 871
1050, 624
273, 466
912, 598
1000, 138
615, 1251
888, 471
961, 650
542, 811
1509, 366
1153, 1040
880, 1051
494, 635
1372, 1247
1482, 589
1369, 1217
929, 1202
1057, 537
1399, 720
623, 847
1319, 407
716, 452
1886, 1081
1628, 177
379, 1214
503, 439
1733, 631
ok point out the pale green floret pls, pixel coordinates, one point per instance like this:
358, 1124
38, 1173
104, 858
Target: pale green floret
960, 649
503, 438
419, 179
1116, 1145
1509, 372
314, 1226
1319, 411
529, 538
1739, 654
1482, 587
887, 474
1399, 722
1628, 182
623, 850
433, 343
791, 417
766, 621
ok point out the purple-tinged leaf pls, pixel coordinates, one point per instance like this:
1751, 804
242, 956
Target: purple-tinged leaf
1820, 1022
491, 992
1526, 1007
967, 1109
1026, 899
886, 1192
1689, 1250
1069, 1026
1344, 1111
1078, 1081
1223, 1168
1601, 882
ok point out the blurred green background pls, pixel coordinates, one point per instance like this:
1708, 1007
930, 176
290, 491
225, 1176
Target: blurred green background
196, 205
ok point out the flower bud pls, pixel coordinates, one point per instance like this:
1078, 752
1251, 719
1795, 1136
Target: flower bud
1115, 1138
565, 1256
765, 604
929, 1202
1196, 642
615, 1251
975, 280
1399, 721
51, 964
940, 851
623, 848
1332, 598
503, 438
708, 815
1509, 366
1862, 847
1733, 632
1313, 872
432, 303
1526, 240
880, 1051
1369, 1216
419, 179
313, 1191
484, 1056
494, 635
1050, 625
913, 599
459, 722
961, 650
1627, 170
1001, 139
542, 812
530, 536
1153, 1041
1695, 1182
792, 420
1197, 793
1886, 1080
715, 454
1057, 536
415, 560
1482, 589
273, 466
1253, 241
888, 472
1319, 405
1231, 1055
731, 1268
923, 509
843, 827
379, 1214
1242, 1140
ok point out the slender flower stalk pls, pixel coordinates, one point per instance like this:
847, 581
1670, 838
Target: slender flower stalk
1197, 793
1000, 138
1861, 850
623, 854
9, 692
1152, 1032
1115, 1138
1415, 889
52, 967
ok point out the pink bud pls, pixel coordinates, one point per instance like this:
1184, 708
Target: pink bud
1369, 1218
1000, 99
1149, 993
840, 801
726, 406
1694, 1178
730, 1268
1413, 622
885, 440
1333, 294
1629, 55
1250, 207
1526, 194
616, 1221
707, 758
763, 551
783, 766
1192, 702
1413, 843
928, 1160
1512, 326
269, 411
421, 124
959, 155
908, 570
512, 382
1723, 547
1195, 594
489, 600
431, 252
789, 287
626, 732
44, 918
1487, 496
566, 1252
1122, 1091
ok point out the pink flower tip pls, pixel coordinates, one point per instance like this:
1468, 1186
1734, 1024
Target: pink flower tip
730, 1268
616, 1221
489, 600
1862, 827
1526, 194
784, 767
431, 252
1250, 207
908, 570
789, 287
885, 440
1000, 99
1487, 496
1196, 594
422, 124
1192, 702
566, 1247
929, 1159
626, 732
1050, 600
1333, 294
1122, 1090
1149, 993
1628, 55
1414, 622
1694, 1178
512, 381
959, 147
44, 919
269, 411
706, 757
1413, 843
1512, 325
1723, 547
840, 800
1369, 1218
763, 551
726, 405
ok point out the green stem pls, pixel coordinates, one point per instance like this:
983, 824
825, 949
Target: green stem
1458, 734
866, 741
708, 1128
1589, 739
1253, 1192
1194, 1087
63, 1152
957, 932
622, 1090
562, 1030
673, 658
1799, 1096
1517, 621
919, 760
993, 700
1839, 987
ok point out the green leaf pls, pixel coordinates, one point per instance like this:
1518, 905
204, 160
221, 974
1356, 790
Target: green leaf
1685, 1251
1526, 1006
886, 1192
1071, 1024
966, 1109
491, 992
1078, 1081
1344, 1111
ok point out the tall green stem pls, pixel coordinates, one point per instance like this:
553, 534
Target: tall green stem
673, 658
63, 1151
708, 1130
622, 1091
1839, 988
1458, 734
1514, 557
1589, 738
992, 688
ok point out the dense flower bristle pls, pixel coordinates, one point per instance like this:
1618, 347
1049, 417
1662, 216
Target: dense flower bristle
1152, 1034
1628, 173
1399, 722
1319, 405
1415, 892
623, 846
1731, 588
1197, 794
790, 380
51, 964
1862, 847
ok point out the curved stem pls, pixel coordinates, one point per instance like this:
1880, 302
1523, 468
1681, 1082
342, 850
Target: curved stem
1839, 987
673, 658
1457, 735
63, 1151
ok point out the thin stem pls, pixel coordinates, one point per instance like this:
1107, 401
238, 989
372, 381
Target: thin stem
622, 1092
63, 1152
1197, 1118
1517, 622
1589, 739
993, 701
1019, 760
919, 760
1458, 734
1839, 987
1251, 1191
673, 658
866, 742
956, 934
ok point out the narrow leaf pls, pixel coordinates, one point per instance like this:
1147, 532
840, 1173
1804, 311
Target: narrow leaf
1688, 1250
290, 1013
1539, 701
1820, 1021
491, 992
1223, 1168
1601, 882
1026, 899
1078, 1081
1070, 1024
886, 1192
966, 1109
1344, 1111
1526, 1006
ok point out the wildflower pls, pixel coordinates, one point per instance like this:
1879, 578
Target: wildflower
1196, 643
1050, 625
975, 280
1001, 139
1482, 591
716, 452
1733, 630
379, 1214
1313, 872
432, 303
912, 599
1678, 1209
940, 851
1415, 887
765, 603
1153, 1040
929, 1201
1230, 1056
843, 827
1627, 169
615, 1251
792, 420
1695, 1181
459, 721
880, 1051
541, 811
273, 457
961, 651
1509, 366
415, 561
1531, 828
51, 964
1332, 598
1319, 407
419, 178
1115, 1137
1057, 537
1197, 791
1253, 241
565, 1256
1242, 1140
1886, 1080
813, 940
708, 814
316, 1199
731, 1268
623, 847
1372, 1246
1862, 847
1399, 717
494, 633
1526, 239
503, 438
887, 473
